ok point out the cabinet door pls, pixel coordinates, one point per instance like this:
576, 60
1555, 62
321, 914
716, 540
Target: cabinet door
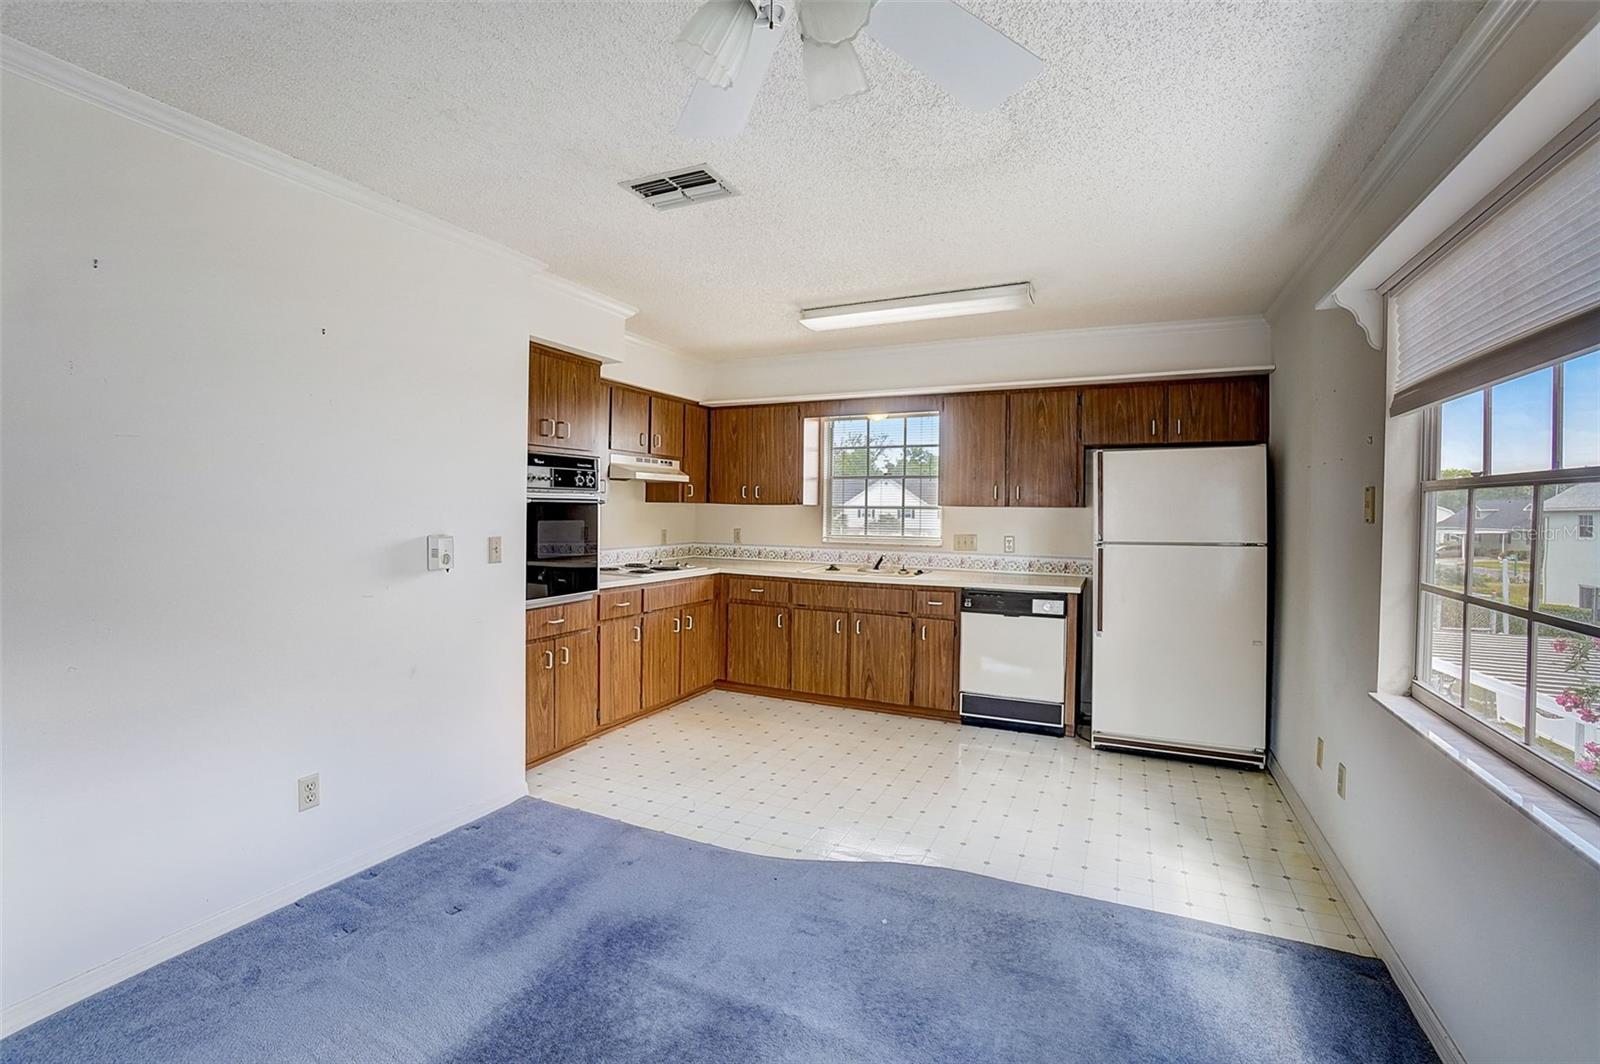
1124, 414
775, 461
666, 427
541, 699
1247, 410
583, 412
630, 420
663, 639
702, 648
758, 645
577, 687
880, 658
972, 450
1043, 459
933, 665
565, 399
1225, 411
730, 442
821, 652
542, 401
621, 664
694, 463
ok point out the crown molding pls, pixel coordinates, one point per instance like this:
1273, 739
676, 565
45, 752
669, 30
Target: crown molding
656, 347
585, 294
1192, 326
26, 61
1488, 31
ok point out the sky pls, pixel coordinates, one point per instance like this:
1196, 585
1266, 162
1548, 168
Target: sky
1522, 421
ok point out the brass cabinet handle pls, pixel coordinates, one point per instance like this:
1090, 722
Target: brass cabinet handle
780, 618
566, 655
557, 620
838, 626
936, 602
677, 624
1017, 493
758, 492
924, 633
688, 491
656, 440
1180, 426
1152, 426
549, 659
623, 605
744, 491
688, 622
997, 492
547, 421
858, 626
638, 633
561, 433
756, 590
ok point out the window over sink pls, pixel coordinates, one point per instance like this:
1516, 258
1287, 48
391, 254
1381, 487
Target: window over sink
880, 479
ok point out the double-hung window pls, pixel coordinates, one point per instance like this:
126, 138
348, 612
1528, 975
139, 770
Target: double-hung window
881, 479
1509, 632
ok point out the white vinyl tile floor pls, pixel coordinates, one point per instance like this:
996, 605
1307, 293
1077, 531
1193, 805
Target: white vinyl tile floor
791, 779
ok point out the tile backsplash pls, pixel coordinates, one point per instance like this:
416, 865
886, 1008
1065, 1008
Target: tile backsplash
1002, 563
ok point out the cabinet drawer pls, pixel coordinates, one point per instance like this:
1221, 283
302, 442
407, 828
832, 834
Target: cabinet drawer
821, 595
679, 593
880, 599
937, 602
748, 589
559, 620
622, 603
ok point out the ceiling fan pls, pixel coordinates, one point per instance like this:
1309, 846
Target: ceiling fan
729, 45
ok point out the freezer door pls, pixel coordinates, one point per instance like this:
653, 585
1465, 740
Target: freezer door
1182, 495
1180, 645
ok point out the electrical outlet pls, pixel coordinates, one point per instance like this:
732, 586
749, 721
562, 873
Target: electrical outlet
738, 535
1319, 751
310, 791
1009, 544
494, 550
966, 541
1340, 786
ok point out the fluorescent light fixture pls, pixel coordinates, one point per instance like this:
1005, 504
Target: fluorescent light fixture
920, 308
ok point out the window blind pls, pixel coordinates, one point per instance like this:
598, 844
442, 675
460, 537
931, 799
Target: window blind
1519, 290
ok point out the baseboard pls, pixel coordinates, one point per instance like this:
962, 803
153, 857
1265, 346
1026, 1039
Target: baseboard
1429, 1020
949, 716
32, 1009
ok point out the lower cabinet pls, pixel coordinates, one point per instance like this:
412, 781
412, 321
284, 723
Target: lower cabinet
821, 650
758, 645
880, 658
562, 692
621, 668
933, 665
682, 652
700, 665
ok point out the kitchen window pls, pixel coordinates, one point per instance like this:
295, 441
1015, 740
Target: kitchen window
1508, 629
881, 479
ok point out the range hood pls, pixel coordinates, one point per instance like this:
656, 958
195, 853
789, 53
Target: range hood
640, 467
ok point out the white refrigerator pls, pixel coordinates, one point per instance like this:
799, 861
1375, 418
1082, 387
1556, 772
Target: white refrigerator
1179, 633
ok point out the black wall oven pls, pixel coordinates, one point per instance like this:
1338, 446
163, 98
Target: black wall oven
563, 525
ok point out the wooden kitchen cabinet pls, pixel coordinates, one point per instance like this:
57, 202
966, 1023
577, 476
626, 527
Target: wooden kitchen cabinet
933, 665
630, 420
700, 665
1122, 414
820, 649
758, 645
695, 461
756, 455
1043, 462
880, 658
666, 427
577, 687
1218, 411
566, 402
541, 699
621, 668
663, 653
972, 450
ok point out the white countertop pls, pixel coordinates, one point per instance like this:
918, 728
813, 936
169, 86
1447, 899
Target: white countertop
987, 580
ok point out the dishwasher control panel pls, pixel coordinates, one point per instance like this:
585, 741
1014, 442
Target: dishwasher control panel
1014, 603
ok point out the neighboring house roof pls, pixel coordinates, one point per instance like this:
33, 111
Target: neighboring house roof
1494, 515
882, 493
1577, 497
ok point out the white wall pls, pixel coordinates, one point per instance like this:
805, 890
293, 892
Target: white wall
1487, 912
222, 449
1174, 348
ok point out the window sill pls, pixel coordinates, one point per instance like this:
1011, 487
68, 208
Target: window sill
1569, 822
898, 544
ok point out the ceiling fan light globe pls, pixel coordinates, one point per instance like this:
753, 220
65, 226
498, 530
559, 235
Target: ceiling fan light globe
832, 21
715, 40
832, 72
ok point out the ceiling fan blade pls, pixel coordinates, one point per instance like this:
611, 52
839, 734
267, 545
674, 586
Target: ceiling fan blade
714, 112
968, 58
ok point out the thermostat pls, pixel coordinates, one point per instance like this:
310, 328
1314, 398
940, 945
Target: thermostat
441, 553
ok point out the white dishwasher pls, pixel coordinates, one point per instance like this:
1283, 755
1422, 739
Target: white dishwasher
1014, 660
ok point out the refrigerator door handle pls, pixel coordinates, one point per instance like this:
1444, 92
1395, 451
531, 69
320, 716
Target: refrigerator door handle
1099, 492
1099, 590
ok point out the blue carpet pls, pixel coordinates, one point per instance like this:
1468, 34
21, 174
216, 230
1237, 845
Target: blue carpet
540, 933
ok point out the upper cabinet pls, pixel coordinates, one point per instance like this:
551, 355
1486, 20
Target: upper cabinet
1122, 414
1225, 411
642, 423
972, 450
1043, 460
695, 460
566, 402
756, 455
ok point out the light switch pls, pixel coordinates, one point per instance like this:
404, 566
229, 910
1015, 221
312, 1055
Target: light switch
494, 550
966, 541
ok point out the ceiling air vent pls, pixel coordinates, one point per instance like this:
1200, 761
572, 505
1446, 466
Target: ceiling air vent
679, 188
